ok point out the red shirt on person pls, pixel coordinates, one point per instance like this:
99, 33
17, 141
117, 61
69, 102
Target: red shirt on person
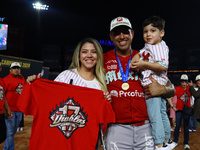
129, 105
13, 89
183, 97
1, 95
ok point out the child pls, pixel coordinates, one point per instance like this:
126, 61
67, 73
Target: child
152, 60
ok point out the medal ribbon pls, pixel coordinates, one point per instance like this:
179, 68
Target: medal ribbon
124, 76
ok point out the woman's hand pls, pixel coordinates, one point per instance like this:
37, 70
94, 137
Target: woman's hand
32, 78
107, 96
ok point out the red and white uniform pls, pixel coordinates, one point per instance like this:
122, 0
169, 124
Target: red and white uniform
155, 53
13, 89
129, 105
183, 97
67, 75
65, 116
1, 95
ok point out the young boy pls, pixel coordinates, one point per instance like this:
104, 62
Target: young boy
152, 60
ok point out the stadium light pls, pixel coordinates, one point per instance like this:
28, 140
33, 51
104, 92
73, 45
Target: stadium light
40, 6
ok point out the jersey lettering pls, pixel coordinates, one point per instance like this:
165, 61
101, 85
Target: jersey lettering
113, 76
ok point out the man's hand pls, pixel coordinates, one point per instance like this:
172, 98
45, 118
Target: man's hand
10, 114
154, 89
32, 78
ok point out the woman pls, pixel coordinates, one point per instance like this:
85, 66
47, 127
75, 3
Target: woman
86, 69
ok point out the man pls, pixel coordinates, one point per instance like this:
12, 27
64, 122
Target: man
132, 128
13, 88
4, 110
195, 91
183, 98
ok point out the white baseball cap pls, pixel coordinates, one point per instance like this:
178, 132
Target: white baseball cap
184, 77
15, 64
120, 21
197, 77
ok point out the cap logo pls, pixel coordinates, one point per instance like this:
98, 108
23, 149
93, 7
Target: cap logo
119, 19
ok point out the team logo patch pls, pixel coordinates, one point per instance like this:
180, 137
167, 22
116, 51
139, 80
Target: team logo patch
68, 117
145, 56
19, 88
1, 92
119, 19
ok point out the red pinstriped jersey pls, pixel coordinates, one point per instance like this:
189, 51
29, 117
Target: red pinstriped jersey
155, 53
67, 75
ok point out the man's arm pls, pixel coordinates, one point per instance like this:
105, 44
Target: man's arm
156, 89
6, 107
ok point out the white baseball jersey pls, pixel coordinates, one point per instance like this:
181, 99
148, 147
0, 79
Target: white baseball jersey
155, 53
67, 75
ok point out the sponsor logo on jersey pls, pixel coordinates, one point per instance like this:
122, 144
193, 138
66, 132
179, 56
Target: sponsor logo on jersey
122, 93
68, 117
19, 88
111, 61
110, 67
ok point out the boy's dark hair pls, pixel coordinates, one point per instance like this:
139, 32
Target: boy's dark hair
156, 21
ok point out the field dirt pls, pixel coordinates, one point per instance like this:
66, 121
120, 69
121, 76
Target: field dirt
22, 137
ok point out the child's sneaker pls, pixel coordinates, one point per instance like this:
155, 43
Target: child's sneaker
164, 147
171, 144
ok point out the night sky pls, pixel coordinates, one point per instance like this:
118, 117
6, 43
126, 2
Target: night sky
68, 21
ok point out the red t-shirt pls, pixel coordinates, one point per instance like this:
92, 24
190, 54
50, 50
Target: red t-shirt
1, 95
65, 116
129, 105
183, 97
13, 89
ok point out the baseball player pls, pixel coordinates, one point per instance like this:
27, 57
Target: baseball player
132, 129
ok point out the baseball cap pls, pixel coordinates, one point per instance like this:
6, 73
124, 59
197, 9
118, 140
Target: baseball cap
197, 77
120, 21
15, 64
184, 77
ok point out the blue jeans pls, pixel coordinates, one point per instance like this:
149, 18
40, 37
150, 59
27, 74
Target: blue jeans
12, 125
194, 127
179, 117
161, 129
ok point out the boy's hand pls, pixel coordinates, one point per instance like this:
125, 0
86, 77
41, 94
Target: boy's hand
137, 64
132, 65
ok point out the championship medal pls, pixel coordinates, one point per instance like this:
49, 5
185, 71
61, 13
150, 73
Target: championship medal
125, 86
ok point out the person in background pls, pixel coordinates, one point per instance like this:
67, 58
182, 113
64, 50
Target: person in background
193, 121
4, 110
13, 88
183, 98
21, 125
132, 129
173, 110
195, 91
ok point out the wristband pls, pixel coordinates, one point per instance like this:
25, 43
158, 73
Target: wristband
172, 107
